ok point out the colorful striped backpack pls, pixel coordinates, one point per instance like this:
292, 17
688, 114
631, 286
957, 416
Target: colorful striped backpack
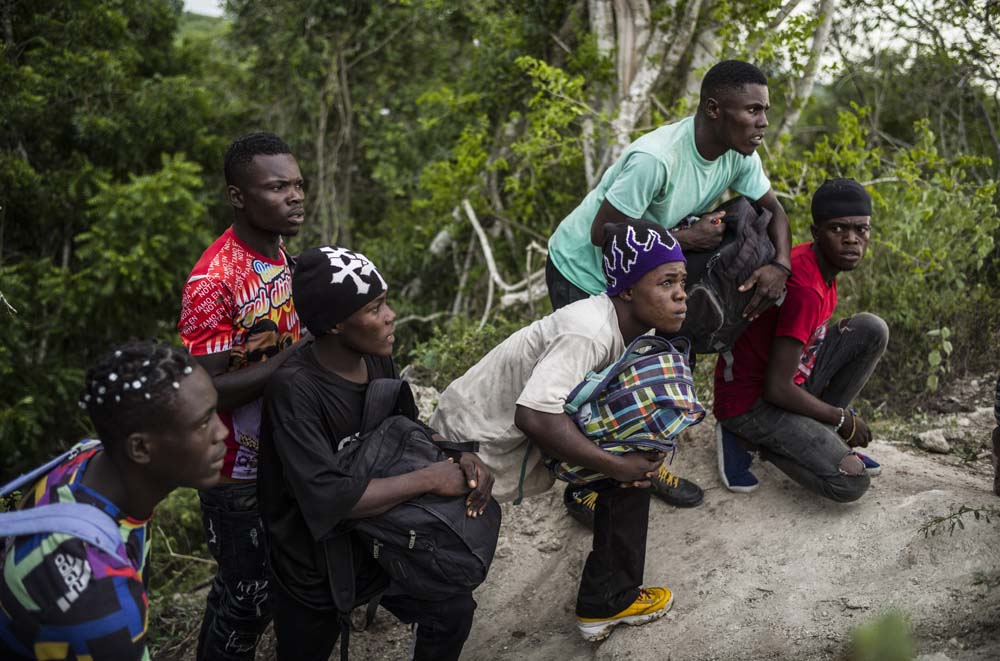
642, 401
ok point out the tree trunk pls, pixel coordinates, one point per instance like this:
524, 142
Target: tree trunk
663, 53
804, 85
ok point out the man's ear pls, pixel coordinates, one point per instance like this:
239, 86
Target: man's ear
235, 196
626, 294
138, 448
815, 231
711, 107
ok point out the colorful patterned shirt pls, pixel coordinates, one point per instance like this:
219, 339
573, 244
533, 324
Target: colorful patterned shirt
61, 598
239, 301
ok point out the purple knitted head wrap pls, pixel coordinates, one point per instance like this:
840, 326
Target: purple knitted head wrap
631, 250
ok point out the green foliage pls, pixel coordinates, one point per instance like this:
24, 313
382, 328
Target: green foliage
953, 519
937, 359
123, 282
181, 565
933, 226
888, 638
179, 554
102, 214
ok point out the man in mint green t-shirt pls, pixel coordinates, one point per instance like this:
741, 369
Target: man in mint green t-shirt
677, 171
666, 176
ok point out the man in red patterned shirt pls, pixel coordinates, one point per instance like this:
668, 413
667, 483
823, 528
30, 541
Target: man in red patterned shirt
237, 320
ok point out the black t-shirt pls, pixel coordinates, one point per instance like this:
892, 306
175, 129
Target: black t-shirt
309, 413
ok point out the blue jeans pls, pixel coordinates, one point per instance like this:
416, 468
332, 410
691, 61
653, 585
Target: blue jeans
239, 601
806, 450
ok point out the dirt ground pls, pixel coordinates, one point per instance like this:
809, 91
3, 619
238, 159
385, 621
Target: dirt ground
776, 574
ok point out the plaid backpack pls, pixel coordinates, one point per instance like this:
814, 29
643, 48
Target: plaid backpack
643, 401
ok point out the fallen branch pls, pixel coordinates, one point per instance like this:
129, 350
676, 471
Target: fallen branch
484, 243
183, 556
489, 304
10, 308
423, 318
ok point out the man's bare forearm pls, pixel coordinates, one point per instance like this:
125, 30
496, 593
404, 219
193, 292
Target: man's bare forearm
557, 436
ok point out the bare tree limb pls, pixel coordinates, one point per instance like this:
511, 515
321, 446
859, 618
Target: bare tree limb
803, 85
10, 308
992, 131
456, 306
489, 304
658, 57
423, 318
484, 243
183, 556
782, 14
377, 47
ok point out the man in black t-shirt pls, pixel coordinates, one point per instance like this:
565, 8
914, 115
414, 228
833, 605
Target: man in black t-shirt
313, 407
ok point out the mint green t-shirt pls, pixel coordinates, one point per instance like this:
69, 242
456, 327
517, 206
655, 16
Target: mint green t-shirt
661, 178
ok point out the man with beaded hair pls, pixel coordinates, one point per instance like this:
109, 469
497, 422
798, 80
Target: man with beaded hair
61, 597
787, 385
517, 393
673, 176
238, 320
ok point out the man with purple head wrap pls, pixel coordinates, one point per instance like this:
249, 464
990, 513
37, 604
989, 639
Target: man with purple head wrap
517, 391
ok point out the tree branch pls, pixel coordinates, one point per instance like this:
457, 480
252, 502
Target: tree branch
803, 85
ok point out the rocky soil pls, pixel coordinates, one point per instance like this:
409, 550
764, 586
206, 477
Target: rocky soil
776, 574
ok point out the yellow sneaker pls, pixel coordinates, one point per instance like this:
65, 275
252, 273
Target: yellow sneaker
651, 604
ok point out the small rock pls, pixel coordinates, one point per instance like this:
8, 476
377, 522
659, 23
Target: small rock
549, 546
933, 440
964, 422
857, 603
937, 656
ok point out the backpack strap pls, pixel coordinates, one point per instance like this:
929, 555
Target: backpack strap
33, 476
85, 522
383, 398
459, 446
524, 469
595, 383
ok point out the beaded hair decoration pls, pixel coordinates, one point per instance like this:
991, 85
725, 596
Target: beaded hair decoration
119, 379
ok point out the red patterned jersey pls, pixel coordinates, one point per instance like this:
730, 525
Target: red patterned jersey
240, 301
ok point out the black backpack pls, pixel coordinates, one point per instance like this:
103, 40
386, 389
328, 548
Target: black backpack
428, 545
715, 304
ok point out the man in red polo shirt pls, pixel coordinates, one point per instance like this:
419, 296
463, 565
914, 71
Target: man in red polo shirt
787, 385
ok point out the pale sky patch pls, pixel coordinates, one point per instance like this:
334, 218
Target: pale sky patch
204, 7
